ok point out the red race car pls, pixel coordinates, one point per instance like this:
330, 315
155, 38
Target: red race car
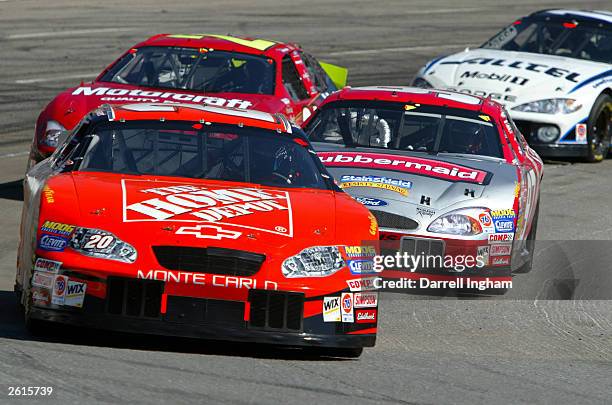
197, 221
217, 70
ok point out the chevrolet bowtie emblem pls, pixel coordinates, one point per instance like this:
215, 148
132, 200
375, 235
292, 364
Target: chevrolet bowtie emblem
208, 232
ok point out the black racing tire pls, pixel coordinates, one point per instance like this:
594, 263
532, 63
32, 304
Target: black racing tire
599, 129
530, 242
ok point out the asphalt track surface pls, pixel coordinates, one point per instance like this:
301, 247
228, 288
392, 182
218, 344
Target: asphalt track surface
548, 341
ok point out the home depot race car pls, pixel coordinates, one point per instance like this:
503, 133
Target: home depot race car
216, 70
446, 175
195, 221
552, 69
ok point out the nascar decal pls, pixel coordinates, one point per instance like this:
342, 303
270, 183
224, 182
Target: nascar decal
59, 290
386, 183
75, 294
136, 95
503, 220
252, 208
500, 249
413, 165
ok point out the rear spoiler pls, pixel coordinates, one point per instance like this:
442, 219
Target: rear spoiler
337, 74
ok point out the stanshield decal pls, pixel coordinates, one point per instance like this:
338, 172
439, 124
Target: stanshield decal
406, 164
266, 210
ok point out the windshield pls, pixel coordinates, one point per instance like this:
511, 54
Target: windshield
390, 127
571, 39
215, 152
194, 69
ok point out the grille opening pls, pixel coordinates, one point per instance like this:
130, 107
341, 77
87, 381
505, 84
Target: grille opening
131, 297
190, 310
422, 247
390, 220
276, 310
210, 260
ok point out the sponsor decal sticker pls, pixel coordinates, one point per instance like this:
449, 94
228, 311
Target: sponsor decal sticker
75, 294
373, 224
501, 249
43, 279
59, 290
501, 237
504, 225
362, 284
365, 316
386, 183
500, 261
361, 266
57, 228
48, 194
503, 214
346, 302
331, 309
360, 252
47, 265
581, 133
483, 252
414, 165
365, 299
52, 243
41, 296
371, 202
425, 212
251, 208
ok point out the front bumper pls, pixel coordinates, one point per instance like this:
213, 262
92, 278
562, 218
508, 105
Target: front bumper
270, 317
565, 146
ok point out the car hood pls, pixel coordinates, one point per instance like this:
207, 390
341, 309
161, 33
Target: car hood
418, 185
181, 212
511, 77
71, 105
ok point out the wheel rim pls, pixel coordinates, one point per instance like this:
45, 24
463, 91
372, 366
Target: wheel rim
601, 139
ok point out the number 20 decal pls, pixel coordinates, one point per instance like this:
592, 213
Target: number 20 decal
99, 242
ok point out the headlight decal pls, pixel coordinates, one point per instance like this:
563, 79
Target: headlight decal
316, 261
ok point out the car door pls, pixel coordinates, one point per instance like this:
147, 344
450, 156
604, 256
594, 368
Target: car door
298, 95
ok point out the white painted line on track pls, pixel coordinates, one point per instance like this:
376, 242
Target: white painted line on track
88, 75
400, 49
67, 33
15, 154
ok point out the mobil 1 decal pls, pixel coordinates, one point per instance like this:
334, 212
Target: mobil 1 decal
260, 209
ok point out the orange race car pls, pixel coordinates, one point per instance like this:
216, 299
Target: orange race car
196, 221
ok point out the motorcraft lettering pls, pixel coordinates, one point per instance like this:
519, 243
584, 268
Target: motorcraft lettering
414, 165
147, 96
253, 208
215, 280
517, 64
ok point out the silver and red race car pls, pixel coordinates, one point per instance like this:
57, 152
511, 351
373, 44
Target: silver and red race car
444, 173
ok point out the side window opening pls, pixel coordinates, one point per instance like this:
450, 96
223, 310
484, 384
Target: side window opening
292, 81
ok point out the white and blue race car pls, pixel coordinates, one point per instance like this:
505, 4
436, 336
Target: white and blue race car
552, 70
